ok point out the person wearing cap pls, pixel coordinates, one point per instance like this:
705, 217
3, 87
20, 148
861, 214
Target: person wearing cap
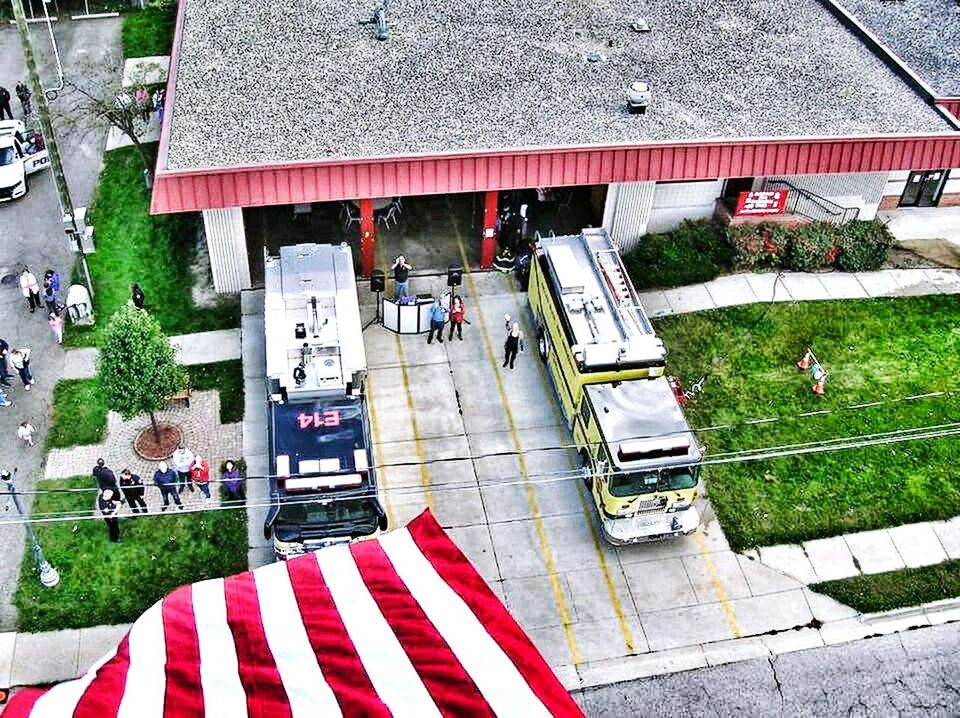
200, 475
132, 487
108, 509
182, 461
105, 477
166, 480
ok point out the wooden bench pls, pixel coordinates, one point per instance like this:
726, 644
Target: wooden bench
183, 395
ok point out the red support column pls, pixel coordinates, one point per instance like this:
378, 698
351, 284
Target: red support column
488, 246
368, 238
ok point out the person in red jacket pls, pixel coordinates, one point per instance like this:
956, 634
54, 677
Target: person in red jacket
457, 317
200, 475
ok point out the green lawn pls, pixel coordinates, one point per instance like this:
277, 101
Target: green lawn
875, 350
80, 413
102, 582
149, 31
227, 377
895, 589
156, 251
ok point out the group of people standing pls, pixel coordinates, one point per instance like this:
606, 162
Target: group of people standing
445, 310
144, 103
47, 295
23, 94
185, 471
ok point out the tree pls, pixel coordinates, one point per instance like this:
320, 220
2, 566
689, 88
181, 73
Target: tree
137, 368
101, 99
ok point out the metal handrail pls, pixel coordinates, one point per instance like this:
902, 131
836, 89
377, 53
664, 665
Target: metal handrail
828, 211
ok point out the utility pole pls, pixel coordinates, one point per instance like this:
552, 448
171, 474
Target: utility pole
46, 126
49, 576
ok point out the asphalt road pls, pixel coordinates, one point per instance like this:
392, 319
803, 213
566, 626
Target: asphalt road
916, 673
31, 233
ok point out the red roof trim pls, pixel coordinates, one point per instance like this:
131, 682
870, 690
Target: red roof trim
328, 180
951, 105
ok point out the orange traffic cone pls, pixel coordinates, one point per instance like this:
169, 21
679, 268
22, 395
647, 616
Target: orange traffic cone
804, 363
821, 386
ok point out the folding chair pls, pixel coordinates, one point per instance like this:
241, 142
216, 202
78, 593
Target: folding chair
350, 216
385, 218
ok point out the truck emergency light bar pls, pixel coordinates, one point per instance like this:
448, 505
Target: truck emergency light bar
335, 481
634, 450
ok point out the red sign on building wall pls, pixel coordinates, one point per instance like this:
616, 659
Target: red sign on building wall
768, 202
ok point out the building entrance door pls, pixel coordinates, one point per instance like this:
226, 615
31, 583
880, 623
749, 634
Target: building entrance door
923, 188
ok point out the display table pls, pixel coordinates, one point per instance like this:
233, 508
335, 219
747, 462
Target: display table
407, 318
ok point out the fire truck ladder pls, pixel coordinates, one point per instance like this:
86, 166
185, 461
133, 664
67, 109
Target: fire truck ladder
629, 310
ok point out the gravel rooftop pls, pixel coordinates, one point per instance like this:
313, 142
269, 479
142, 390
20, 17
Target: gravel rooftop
924, 33
266, 82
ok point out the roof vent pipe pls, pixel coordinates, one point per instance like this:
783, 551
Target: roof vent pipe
380, 20
638, 98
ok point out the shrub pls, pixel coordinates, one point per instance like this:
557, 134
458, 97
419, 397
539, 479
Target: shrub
694, 252
863, 246
758, 245
813, 246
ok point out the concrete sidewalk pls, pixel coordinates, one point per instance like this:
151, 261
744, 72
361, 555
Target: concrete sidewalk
749, 288
828, 559
199, 348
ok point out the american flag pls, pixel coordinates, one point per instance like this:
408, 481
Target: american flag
398, 626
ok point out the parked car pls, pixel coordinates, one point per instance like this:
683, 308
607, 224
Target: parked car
22, 153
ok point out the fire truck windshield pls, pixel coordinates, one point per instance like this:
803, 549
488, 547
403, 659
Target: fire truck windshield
647, 482
328, 512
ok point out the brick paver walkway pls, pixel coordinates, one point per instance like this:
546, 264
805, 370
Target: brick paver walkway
203, 434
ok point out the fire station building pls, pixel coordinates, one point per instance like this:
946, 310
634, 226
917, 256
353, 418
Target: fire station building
838, 108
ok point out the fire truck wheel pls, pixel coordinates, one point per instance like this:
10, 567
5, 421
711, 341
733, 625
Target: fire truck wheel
583, 466
543, 344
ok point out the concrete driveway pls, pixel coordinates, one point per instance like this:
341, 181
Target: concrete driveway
31, 233
485, 448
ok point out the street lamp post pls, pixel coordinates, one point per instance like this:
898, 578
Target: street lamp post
49, 576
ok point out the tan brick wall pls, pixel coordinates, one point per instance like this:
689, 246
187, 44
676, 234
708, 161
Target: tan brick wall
949, 200
889, 202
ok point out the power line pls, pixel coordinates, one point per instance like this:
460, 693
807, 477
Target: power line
886, 438
572, 446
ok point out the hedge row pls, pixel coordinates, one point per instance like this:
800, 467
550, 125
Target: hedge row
856, 246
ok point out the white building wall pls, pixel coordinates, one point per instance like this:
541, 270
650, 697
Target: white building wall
627, 211
861, 190
674, 202
227, 245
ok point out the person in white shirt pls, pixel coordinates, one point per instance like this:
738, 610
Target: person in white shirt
20, 360
30, 289
25, 433
182, 461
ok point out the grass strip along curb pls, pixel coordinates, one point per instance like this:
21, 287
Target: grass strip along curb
895, 589
874, 350
105, 583
79, 413
156, 251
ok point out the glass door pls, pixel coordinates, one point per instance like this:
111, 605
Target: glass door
923, 188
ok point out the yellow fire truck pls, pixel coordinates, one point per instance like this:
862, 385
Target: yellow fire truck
636, 451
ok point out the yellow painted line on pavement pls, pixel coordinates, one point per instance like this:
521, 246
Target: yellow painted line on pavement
718, 585
528, 486
411, 407
586, 503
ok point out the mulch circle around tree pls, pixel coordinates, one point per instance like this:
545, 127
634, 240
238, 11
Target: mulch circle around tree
146, 444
